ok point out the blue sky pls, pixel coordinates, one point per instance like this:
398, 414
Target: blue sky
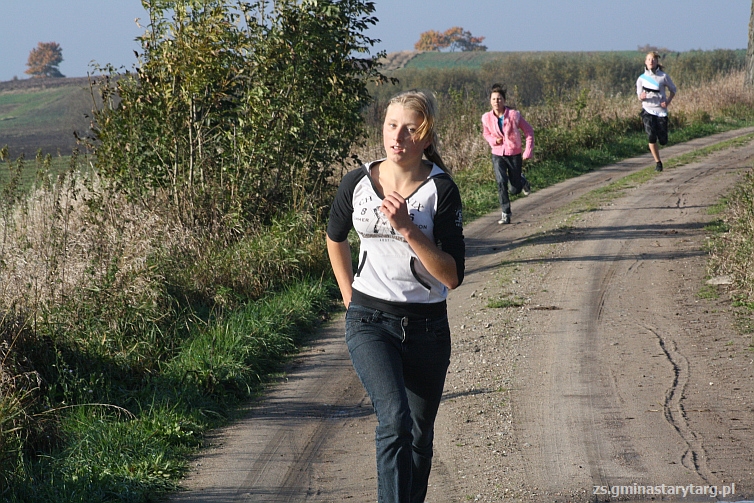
104, 30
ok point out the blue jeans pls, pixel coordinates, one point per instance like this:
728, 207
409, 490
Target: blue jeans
508, 168
402, 364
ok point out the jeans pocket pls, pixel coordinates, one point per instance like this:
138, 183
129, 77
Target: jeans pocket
440, 328
359, 319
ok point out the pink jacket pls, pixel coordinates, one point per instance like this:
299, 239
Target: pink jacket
512, 122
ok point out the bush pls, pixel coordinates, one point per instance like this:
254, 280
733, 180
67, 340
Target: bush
238, 112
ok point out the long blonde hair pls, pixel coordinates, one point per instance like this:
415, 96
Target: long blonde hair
424, 104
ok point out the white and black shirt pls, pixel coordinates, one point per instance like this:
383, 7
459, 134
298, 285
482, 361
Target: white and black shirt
654, 84
390, 276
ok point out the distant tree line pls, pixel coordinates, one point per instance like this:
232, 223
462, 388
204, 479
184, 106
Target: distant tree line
534, 78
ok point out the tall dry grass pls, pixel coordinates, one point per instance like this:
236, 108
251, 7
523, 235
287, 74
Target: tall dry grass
80, 237
732, 251
89, 275
462, 145
77, 236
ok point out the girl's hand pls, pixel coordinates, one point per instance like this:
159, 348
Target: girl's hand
643, 95
395, 209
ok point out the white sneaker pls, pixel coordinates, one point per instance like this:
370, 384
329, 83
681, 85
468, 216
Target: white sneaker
527, 188
505, 220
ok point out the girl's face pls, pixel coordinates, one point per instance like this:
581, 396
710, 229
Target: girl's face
399, 138
651, 62
498, 103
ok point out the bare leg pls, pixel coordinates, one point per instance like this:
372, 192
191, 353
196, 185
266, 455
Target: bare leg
655, 151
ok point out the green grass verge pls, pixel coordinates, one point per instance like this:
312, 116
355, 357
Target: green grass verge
135, 448
730, 247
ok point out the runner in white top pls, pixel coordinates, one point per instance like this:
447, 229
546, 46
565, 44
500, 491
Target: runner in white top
650, 88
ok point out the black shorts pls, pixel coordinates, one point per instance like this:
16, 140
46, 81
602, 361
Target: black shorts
656, 128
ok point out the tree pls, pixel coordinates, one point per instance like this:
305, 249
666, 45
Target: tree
237, 110
453, 38
432, 41
750, 51
44, 60
458, 38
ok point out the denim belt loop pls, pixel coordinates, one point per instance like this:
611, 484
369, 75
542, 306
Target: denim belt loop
404, 324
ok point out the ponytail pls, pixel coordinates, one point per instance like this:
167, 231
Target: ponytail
433, 155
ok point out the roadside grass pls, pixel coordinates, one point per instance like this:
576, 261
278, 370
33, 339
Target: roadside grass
138, 450
731, 252
719, 207
709, 292
731, 246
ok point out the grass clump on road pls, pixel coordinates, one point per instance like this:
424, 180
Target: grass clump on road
506, 302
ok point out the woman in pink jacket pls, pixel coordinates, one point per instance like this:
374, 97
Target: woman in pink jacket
502, 130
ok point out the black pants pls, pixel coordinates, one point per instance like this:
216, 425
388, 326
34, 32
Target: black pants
656, 128
507, 169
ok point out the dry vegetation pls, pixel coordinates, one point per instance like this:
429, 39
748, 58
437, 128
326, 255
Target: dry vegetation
462, 145
732, 251
55, 244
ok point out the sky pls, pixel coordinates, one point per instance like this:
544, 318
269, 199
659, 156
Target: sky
104, 31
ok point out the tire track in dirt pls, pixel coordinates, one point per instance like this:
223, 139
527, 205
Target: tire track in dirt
582, 437
695, 457
608, 439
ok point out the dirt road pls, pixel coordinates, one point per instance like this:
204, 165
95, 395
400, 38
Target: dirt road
602, 371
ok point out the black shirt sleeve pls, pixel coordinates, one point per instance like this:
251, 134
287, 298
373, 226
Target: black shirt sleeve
341, 211
448, 227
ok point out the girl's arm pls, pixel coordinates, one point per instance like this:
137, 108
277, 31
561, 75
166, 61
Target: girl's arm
340, 260
672, 90
529, 134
